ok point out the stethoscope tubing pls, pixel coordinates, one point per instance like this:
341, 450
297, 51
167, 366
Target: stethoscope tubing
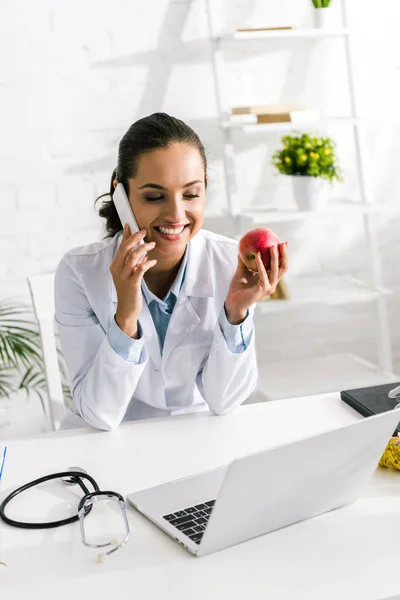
77, 475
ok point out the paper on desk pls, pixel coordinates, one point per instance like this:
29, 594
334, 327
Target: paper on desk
3, 451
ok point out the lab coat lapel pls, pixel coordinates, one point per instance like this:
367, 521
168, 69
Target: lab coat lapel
197, 284
150, 335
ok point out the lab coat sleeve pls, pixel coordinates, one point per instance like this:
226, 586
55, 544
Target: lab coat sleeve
228, 378
237, 337
127, 348
102, 382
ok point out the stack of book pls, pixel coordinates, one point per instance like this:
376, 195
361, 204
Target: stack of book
273, 113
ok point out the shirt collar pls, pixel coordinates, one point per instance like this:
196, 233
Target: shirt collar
175, 287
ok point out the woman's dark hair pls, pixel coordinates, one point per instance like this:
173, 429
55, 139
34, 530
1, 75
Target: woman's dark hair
158, 130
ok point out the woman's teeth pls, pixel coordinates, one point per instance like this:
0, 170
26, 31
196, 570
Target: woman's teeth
171, 231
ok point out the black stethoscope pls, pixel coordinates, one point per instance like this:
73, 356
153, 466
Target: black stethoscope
74, 476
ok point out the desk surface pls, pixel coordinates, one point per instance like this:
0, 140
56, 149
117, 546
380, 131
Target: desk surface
351, 553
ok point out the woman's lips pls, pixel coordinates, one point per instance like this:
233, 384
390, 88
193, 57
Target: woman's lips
171, 233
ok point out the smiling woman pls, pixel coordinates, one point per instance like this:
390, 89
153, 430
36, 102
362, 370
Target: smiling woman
164, 327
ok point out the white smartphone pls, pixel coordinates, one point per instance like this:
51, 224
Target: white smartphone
125, 213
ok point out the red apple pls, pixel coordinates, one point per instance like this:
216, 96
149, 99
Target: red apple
258, 240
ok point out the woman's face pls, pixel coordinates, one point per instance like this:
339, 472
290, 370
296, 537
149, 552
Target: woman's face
167, 198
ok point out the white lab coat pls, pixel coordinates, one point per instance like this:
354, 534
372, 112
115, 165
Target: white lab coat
195, 371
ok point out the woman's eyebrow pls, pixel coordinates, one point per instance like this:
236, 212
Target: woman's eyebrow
160, 187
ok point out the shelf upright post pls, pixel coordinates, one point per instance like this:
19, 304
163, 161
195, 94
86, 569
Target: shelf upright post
384, 342
224, 119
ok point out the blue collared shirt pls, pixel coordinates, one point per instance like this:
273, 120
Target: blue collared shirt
237, 337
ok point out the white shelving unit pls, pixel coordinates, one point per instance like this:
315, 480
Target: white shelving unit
243, 36
331, 291
327, 373
262, 128
257, 215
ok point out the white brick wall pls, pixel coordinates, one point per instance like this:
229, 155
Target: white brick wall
74, 76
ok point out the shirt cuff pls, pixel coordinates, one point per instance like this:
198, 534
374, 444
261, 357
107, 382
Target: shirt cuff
237, 337
128, 348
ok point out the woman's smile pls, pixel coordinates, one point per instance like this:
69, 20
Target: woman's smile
172, 233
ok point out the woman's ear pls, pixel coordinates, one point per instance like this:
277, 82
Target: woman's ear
115, 183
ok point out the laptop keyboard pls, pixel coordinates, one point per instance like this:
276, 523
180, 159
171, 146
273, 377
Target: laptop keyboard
192, 521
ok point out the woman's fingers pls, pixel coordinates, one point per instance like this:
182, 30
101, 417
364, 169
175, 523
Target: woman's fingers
127, 243
133, 256
284, 258
274, 267
140, 270
263, 280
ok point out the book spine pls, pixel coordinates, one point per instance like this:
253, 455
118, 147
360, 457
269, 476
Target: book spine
274, 118
360, 408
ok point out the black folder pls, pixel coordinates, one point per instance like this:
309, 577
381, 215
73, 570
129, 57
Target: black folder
372, 400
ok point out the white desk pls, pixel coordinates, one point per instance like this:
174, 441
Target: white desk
352, 553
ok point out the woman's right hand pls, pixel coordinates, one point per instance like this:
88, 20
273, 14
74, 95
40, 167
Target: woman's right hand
127, 275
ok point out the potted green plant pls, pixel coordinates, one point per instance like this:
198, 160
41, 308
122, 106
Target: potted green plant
310, 161
322, 14
21, 360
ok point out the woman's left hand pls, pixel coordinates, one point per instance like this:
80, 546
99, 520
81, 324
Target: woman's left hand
248, 287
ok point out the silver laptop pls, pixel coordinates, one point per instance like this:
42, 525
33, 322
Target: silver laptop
262, 492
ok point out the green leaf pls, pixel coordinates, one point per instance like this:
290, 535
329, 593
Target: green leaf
321, 3
308, 154
34, 381
6, 382
21, 359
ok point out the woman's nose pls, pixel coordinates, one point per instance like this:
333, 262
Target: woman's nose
175, 210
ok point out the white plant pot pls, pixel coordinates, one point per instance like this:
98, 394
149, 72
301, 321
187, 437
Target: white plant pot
323, 18
307, 192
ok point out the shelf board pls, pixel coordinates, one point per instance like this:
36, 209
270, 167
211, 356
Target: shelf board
290, 126
262, 215
287, 34
330, 373
308, 291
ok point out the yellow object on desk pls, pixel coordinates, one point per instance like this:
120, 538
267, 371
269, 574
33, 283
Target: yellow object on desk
391, 456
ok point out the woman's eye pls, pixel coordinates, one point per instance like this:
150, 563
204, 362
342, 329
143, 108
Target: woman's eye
153, 198
156, 198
